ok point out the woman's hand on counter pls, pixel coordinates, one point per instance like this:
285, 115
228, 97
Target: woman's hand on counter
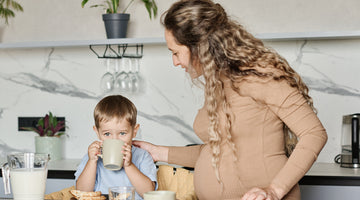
261, 194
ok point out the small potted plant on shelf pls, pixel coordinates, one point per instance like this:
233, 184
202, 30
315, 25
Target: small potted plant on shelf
116, 19
7, 8
48, 140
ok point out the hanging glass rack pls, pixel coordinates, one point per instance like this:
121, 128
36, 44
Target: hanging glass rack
118, 51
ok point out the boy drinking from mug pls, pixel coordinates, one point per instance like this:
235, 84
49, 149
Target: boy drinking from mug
115, 118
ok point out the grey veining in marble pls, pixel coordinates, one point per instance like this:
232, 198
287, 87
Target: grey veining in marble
6, 149
329, 87
323, 84
175, 123
38, 83
300, 55
33, 81
48, 62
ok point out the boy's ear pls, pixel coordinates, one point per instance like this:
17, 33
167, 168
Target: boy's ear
136, 128
96, 131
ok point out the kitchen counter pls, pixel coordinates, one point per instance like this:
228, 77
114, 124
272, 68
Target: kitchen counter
331, 174
332, 169
323, 181
319, 174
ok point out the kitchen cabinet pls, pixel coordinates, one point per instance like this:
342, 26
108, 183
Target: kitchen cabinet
328, 192
331, 182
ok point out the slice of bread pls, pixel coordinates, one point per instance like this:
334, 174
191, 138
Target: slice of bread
87, 195
93, 198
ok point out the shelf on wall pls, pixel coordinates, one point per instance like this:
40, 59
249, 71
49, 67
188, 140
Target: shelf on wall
330, 35
160, 40
79, 43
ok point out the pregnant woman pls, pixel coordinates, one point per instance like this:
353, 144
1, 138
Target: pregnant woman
255, 106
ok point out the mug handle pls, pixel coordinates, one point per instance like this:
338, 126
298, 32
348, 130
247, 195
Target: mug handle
5, 169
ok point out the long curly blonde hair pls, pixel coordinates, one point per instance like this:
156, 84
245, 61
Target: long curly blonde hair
221, 46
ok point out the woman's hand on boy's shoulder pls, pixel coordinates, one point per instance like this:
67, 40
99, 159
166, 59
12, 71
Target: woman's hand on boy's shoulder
158, 153
143, 145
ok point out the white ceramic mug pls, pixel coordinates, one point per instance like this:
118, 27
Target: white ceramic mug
112, 154
159, 195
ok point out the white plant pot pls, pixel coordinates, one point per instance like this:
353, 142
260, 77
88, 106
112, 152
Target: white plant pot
49, 145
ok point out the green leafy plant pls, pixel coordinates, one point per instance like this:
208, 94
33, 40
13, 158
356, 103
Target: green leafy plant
7, 8
48, 126
112, 6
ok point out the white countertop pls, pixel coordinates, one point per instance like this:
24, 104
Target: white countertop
332, 169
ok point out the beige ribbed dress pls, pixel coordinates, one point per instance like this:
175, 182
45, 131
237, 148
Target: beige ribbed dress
260, 110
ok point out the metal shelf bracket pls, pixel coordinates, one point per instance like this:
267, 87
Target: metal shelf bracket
117, 51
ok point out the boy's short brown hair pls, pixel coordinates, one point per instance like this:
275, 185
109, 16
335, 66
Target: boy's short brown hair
115, 106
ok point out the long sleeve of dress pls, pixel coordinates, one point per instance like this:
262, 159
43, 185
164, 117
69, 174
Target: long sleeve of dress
304, 123
291, 107
184, 156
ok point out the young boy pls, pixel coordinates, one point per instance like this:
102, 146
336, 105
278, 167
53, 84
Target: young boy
115, 118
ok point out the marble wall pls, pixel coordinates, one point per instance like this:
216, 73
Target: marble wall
331, 69
66, 81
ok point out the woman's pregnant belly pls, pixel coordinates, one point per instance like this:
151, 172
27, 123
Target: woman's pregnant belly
206, 183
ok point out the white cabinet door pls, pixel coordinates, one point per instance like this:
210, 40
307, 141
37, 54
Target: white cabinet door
322, 192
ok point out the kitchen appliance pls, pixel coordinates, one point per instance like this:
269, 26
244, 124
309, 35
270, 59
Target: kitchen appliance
349, 156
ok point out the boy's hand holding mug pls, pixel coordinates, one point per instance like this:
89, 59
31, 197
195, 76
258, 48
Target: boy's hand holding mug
94, 149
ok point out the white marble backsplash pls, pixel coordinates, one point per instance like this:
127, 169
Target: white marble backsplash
66, 82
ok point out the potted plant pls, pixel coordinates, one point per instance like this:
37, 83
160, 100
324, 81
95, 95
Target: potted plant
7, 8
48, 140
116, 19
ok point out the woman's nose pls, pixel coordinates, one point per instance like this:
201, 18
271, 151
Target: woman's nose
175, 61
